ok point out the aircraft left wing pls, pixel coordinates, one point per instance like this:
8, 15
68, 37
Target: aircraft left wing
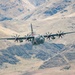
59, 34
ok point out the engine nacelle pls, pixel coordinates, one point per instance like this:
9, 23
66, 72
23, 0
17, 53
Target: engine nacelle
20, 40
52, 37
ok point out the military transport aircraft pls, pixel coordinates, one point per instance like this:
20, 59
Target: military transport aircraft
37, 39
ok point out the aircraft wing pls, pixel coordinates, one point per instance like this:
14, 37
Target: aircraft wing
18, 38
59, 34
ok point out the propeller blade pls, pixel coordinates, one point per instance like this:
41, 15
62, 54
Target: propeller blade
48, 35
60, 34
16, 36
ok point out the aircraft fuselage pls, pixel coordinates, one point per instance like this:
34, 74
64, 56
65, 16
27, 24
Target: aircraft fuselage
38, 39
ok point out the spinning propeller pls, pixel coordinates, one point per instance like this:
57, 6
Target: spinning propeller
60, 34
26, 36
48, 35
16, 37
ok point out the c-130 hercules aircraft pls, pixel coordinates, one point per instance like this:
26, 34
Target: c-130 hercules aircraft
37, 39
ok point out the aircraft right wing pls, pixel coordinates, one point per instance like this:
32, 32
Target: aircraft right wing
18, 38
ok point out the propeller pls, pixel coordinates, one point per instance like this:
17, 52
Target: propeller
48, 35
60, 34
16, 38
27, 37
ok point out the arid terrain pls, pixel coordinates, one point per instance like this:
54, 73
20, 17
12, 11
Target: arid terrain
54, 57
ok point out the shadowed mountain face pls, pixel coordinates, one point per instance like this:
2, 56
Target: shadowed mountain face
37, 2
51, 8
50, 53
60, 63
62, 58
12, 8
26, 10
28, 51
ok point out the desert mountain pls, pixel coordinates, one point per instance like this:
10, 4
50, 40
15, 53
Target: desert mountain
37, 2
52, 8
13, 8
46, 16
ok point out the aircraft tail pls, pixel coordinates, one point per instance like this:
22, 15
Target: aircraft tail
32, 30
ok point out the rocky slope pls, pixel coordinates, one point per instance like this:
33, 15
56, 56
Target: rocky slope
13, 8
52, 8
51, 16
62, 58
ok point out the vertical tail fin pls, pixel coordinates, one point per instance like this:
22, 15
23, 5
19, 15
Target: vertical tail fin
32, 30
